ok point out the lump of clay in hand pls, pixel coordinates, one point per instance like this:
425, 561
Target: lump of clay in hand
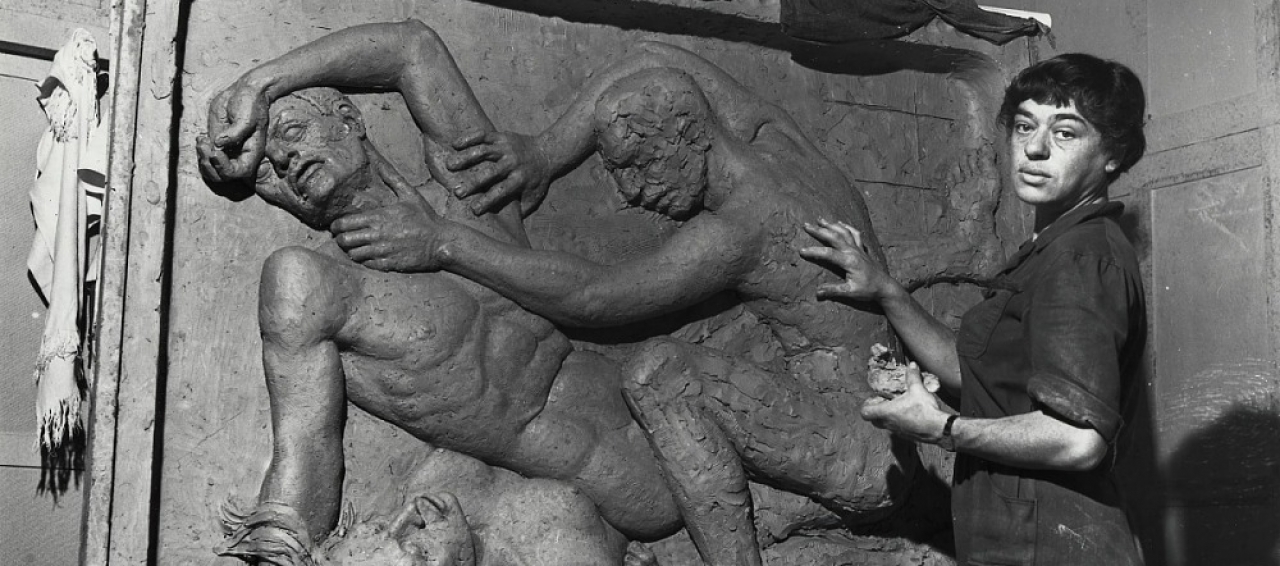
888, 377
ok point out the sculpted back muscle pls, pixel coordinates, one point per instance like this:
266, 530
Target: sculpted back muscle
778, 199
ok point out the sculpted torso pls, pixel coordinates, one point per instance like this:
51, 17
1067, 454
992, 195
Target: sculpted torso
486, 362
462, 368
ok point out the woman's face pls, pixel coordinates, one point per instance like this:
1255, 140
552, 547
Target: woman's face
1058, 159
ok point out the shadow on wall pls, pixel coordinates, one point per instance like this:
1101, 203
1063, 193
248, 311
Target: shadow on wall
1131, 224
872, 57
1136, 465
1223, 478
62, 467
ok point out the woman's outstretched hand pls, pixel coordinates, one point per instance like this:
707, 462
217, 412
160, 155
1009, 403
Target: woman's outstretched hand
864, 278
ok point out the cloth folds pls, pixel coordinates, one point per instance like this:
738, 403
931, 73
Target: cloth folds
66, 199
840, 21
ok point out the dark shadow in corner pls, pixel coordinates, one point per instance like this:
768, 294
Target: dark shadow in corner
1136, 469
1223, 484
924, 516
1131, 225
234, 191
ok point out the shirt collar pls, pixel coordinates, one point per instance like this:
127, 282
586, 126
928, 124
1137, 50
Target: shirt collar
1076, 217
1071, 219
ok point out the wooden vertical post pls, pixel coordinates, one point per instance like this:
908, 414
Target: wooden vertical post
129, 376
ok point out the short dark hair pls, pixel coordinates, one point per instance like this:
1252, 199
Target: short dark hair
1108, 95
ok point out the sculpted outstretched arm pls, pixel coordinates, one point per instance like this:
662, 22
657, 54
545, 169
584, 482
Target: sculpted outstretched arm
407, 57
706, 256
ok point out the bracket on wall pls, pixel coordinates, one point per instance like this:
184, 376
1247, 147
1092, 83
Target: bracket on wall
44, 53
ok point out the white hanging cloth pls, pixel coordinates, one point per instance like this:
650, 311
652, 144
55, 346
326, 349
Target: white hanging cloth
71, 163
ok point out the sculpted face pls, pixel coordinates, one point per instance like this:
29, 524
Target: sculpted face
652, 135
315, 144
672, 184
429, 531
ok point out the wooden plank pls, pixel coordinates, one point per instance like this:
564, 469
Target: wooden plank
1213, 121
119, 502
1194, 162
1271, 251
141, 375
127, 24
1267, 43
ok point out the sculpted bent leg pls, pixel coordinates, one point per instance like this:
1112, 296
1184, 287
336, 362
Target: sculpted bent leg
706, 477
715, 422
300, 310
585, 436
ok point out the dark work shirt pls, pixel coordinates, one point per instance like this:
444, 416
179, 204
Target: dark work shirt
1062, 331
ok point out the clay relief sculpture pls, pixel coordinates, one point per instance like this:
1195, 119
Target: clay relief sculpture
446, 322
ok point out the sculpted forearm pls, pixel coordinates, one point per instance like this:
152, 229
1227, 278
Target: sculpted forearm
407, 57
1032, 440
551, 284
369, 56
573, 291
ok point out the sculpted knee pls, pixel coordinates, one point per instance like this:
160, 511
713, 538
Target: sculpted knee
301, 297
661, 368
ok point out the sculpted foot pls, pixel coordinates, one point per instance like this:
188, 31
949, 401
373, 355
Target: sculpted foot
273, 533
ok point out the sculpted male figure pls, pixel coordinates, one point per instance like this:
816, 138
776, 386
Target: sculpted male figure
684, 139
445, 359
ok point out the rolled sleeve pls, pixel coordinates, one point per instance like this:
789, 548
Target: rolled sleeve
1077, 325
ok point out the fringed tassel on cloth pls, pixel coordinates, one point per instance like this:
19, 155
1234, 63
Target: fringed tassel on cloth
57, 390
65, 199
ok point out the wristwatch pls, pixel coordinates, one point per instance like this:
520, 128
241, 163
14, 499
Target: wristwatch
948, 442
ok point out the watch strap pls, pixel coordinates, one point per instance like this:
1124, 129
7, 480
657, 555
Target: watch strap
948, 442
